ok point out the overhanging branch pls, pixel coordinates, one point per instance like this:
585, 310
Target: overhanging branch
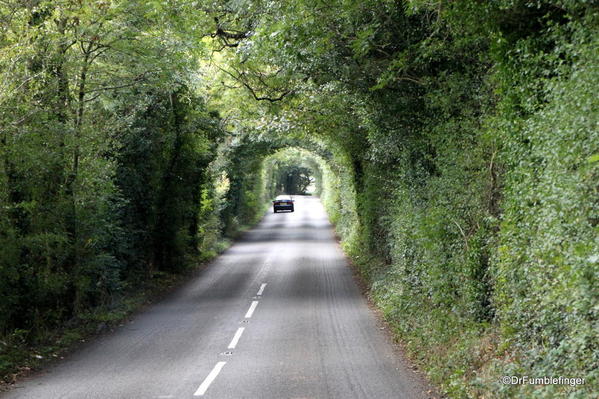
226, 35
240, 78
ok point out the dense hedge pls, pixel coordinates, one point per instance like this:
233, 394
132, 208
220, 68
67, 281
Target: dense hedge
489, 215
546, 265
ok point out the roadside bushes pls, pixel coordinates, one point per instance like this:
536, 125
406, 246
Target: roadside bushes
546, 264
137, 213
109, 186
485, 251
105, 149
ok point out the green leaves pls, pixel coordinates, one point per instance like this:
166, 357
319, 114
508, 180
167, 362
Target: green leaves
453, 142
93, 104
593, 158
434, 113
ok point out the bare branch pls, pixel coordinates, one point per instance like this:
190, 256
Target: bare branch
264, 98
226, 35
253, 92
133, 82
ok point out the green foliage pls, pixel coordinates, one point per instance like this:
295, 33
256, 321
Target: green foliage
104, 150
463, 137
453, 144
162, 167
291, 171
546, 266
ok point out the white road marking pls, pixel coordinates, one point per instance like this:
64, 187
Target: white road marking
236, 337
213, 374
250, 311
261, 290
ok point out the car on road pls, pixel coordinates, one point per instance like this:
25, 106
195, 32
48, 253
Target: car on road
282, 203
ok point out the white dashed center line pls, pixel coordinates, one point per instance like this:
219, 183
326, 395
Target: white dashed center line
213, 374
236, 337
219, 366
261, 290
250, 311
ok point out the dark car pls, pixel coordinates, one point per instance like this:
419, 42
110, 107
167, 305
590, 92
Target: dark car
282, 203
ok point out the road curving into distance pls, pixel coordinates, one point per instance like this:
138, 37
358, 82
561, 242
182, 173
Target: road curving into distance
278, 315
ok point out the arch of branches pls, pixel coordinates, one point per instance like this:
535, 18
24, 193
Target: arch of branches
253, 166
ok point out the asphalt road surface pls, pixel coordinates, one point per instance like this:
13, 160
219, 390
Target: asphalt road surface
278, 315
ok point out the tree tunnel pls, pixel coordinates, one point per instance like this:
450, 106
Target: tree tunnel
453, 144
292, 171
261, 166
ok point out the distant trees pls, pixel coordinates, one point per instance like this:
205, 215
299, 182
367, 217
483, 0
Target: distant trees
295, 180
292, 172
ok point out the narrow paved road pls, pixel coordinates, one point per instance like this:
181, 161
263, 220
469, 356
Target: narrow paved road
276, 316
